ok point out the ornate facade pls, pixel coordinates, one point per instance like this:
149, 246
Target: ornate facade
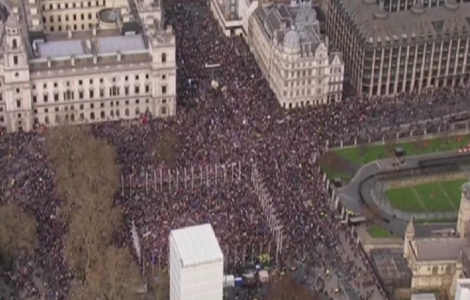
293, 55
85, 61
437, 263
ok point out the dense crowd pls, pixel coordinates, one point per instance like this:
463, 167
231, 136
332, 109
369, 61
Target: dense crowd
239, 123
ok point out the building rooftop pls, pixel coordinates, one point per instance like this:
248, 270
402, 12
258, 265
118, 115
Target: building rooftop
291, 25
197, 245
123, 43
56, 49
423, 296
377, 25
439, 249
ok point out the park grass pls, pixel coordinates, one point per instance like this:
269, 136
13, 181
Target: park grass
404, 199
454, 190
378, 232
332, 173
376, 152
427, 197
433, 197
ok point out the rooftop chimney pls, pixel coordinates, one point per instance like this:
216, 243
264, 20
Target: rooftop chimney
118, 56
69, 33
49, 62
95, 58
72, 60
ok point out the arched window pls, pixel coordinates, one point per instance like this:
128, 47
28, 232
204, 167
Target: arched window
435, 270
163, 57
15, 44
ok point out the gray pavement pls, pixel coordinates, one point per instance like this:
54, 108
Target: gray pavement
350, 197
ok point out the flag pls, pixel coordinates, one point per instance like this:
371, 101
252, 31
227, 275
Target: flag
136, 241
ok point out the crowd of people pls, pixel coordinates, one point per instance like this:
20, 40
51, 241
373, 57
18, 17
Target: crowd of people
241, 123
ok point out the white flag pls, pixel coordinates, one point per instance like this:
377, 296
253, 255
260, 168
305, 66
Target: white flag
136, 241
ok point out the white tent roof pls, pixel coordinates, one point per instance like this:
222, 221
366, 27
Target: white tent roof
197, 245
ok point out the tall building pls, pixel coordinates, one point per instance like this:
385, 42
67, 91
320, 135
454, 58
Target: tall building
85, 61
401, 46
196, 264
293, 55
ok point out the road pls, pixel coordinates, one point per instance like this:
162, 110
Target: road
350, 195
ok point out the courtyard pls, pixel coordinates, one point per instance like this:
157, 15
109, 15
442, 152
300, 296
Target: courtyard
345, 162
427, 197
363, 154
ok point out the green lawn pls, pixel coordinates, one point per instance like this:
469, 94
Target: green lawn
375, 152
378, 232
431, 197
404, 199
454, 190
331, 173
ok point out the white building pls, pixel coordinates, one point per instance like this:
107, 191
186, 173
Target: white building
85, 61
463, 289
196, 264
294, 56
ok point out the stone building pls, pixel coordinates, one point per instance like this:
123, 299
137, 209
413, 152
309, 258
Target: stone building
294, 56
85, 61
438, 263
401, 46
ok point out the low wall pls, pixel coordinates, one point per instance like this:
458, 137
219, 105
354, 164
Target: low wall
422, 179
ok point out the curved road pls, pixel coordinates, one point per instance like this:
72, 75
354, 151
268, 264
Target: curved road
350, 195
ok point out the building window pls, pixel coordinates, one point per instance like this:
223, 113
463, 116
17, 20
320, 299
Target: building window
18, 104
101, 93
80, 95
164, 89
35, 98
163, 111
136, 90
91, 94
15, 44
114, 91
46, 99
147, 89
163, 57
56, 97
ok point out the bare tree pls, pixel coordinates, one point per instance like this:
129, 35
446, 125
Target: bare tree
17, 230
159, 284
115, 276
82, 165
166, 147
418, 143
445, 133
286, 288
362, 149
390, 142
91, 230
